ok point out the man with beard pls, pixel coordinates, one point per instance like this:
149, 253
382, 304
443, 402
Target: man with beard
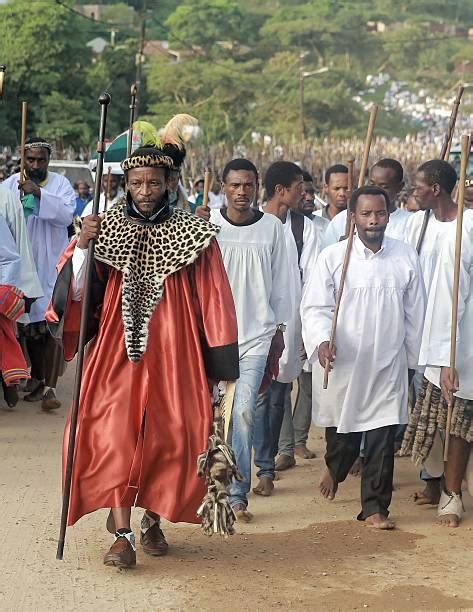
163, 326
377, 339
386, 174
336, 189
48, 202
111, 192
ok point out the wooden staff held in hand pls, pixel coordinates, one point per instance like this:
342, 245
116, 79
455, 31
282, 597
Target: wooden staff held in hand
104, 101
465, 148
444, 154
364, 165
24, 109
205, 199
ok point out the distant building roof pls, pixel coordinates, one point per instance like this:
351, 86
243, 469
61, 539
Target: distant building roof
98, 44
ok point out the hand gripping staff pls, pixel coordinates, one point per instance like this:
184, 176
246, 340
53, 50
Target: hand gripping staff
465, 143
346, 260
444, 154
104, 101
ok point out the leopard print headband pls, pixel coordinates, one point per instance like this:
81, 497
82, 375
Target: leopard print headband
153, 160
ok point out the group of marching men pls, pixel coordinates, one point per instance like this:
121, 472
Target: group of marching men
182, 301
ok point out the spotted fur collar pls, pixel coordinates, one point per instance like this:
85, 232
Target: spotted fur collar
146, 255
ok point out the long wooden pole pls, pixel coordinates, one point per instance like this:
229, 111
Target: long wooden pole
2, 77
133, 93
107, 189
351, 232
465, 148
24, 111
351, 163
205, 200
104, 101
444, 154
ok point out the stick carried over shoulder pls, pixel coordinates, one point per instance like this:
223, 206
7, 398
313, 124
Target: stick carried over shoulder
465, 148
104, 101
133, 92
351, 163
351, 232
205, 199
444, 154
24, 111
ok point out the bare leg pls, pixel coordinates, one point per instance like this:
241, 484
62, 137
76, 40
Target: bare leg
455, 467
430, 495
121, 516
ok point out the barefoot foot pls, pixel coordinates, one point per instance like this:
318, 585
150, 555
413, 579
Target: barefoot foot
356, 468
449, 520
430, 496
328, 486
264, 487
378, 521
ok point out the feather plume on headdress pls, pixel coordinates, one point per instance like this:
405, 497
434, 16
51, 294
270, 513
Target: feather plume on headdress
178, 130
148, 133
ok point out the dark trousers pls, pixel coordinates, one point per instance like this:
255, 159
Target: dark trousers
378, 465
46, 359
267, 426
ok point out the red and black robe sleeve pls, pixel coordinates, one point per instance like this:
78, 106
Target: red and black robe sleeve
217, 317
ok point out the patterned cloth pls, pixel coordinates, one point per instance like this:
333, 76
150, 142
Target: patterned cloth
430, 414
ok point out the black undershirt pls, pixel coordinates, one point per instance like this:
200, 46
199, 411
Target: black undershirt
257, 216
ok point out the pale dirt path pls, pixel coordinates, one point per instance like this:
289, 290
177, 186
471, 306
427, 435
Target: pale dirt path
301, 552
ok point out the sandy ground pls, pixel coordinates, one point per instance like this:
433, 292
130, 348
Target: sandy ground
301, 552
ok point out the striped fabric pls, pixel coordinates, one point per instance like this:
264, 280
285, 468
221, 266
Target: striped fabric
12, 305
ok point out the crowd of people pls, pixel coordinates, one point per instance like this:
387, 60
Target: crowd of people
241, 289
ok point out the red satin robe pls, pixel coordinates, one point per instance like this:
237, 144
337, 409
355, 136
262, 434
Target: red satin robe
141, 426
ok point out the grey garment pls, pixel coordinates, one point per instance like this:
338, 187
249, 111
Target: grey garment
295, 427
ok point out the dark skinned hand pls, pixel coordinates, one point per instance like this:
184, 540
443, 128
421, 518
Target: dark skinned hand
90, 230
325, 353
29, 186
449, 383
203, 212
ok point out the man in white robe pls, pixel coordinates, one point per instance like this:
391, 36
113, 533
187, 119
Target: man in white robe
377, 340
48, 201
283, 185
115, 194
12, 213
254, 255
443, 386
386, 174
433, 186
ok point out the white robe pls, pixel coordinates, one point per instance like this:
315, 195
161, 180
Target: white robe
47, 230
256, 263
10, 260
435, 349
378, 334
396, 228
11, 211
432, 243
290, 364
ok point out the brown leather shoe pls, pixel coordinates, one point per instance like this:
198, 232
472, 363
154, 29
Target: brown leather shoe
50, 401
121, 554
153, 541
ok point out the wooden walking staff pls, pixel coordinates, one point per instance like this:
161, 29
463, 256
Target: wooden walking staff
351, 232
2, 77
24, 110
133, 92
465, 149
444, 154
107, 189
205, 200
104, 101
351, 163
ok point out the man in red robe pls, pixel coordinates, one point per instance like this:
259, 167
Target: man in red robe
162, 325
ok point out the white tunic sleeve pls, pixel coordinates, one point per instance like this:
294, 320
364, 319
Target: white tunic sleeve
318, 302
58, 208
79, 258
414, 312
310, 250
281, 301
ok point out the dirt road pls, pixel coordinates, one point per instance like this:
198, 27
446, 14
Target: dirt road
301, 552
